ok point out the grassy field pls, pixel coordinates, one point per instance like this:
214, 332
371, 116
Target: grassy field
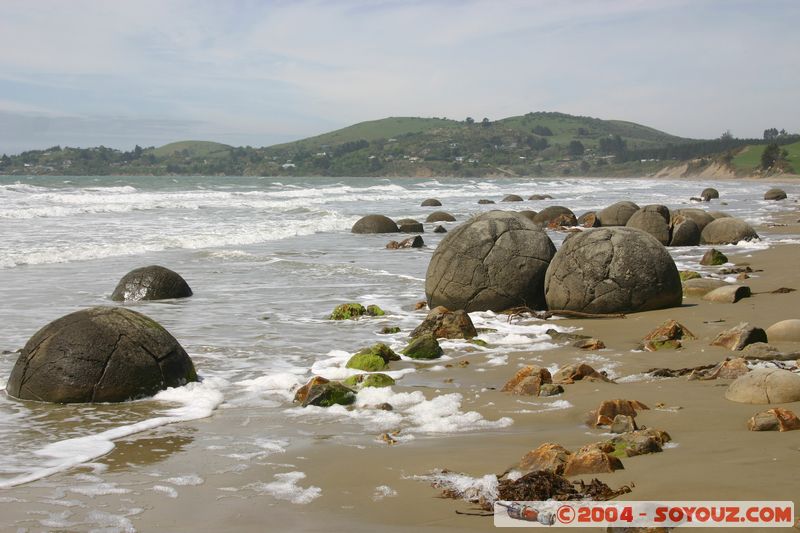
204, 149
750, 157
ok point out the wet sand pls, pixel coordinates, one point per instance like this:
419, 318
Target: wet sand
716, 457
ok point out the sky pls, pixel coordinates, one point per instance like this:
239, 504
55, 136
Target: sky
148, 72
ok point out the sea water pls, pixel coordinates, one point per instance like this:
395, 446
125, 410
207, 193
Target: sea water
267, 259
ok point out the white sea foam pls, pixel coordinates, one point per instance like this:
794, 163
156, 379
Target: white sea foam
185, 480
467, 487
383, 491
198, 400
110, 522
285, 488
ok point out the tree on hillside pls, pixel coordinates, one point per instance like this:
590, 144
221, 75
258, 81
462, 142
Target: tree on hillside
470, 121
615, 146
485, 122
770, 134
772, 156
542, 130
575, 148
726, 135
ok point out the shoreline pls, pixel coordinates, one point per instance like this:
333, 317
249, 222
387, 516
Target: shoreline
716, 456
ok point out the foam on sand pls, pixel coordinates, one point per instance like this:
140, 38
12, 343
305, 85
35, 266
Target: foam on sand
198, 400
285, 488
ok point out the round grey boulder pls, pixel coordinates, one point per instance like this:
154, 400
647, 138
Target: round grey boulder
684, 232
555, 214
540, 197
709, 194
617, 214
494, 261
151, 283
765, 385
700, 217
652, 222
101, 354
727, 230
409, 225
431, 202
660, 209
440, 216
612, 270
775, 194
512, 198
718, 214
375, 224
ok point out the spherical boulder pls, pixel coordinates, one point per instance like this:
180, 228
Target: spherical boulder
728, 230
617, 214
775, 194
765, 385
709, 194
530, 215
784, 331
684, 232
700, 217
652, 222
540, 197
101, 354
660, 209
409, 225
431, 202
150, 283
512, 198
612, 270
440, 216
375, 224
495, 261
555, 213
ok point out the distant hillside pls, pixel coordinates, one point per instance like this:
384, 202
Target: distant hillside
534, 144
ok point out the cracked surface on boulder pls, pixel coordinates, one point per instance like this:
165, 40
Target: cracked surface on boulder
495, 261
612, 270
102, 354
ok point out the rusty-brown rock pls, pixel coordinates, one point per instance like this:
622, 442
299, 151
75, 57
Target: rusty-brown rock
549, 457
639, 442
589, 344
739, 336
672, 330
591, 459
728, 369
302, 393
776, 419
527, 381
604, 415
577, 372
411, 242
443, 323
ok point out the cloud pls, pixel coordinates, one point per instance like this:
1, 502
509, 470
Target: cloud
257, 70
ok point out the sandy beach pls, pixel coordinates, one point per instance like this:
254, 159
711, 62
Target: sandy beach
367, 485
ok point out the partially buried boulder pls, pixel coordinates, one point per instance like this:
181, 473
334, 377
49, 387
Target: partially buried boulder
369, 380
727, 294
617, 214
375, 224
727, 230
495, 261
765, 385
555, 214
440, 216
774, 420
785, 331
431, 202
512, 198
775, 194
409, 225
151, 283
102, 354
701, 286
736, 338
709, 194
612, 270
685, 232
528, 381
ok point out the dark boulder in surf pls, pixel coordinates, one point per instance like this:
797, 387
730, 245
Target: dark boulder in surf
101, 354
151, 283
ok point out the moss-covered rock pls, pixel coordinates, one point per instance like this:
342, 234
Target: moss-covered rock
688, 274
348, 311
478, 342
369, 380
388, 330
368, 362
423, 347
323, 393
374, 310
713, 257
381, 350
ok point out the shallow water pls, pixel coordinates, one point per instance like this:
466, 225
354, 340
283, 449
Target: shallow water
267, 259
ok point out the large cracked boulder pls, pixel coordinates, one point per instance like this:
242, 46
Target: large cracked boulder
765, 385
495, 261
101, 354
685, 232
617, 214
728, 230
151, 283
700, 217
375, 224
612, 270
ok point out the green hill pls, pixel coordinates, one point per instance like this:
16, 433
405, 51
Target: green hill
749, 158
192, 149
